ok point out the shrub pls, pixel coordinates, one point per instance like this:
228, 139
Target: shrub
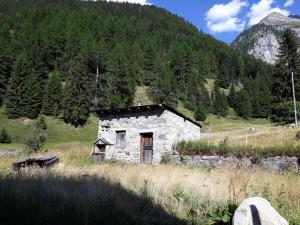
284, 112
5, 137
35, 141
222, 216
41, 123
165, 158
200, 114
204, 148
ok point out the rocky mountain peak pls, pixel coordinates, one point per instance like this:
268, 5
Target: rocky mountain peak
262, 40
278, 19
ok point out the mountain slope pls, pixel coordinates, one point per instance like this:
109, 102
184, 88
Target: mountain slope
262, 40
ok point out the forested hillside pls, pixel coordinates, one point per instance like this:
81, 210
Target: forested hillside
64, 57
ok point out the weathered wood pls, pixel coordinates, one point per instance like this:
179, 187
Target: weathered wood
43, 162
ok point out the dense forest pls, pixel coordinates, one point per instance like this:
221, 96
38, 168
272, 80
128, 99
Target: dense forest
67, 57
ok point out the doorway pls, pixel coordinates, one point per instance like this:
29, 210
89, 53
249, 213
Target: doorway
146, 148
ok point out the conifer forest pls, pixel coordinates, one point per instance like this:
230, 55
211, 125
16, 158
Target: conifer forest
66, 58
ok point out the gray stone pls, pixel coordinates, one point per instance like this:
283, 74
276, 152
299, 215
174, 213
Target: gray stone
257, 211
167, 128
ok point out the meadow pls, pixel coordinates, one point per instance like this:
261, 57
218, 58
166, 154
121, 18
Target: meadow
111, 193
80, 191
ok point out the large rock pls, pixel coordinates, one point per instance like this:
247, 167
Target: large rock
257, 211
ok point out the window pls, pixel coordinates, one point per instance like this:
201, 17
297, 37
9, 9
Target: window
120, 139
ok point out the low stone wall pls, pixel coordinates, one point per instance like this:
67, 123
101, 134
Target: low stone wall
278, 163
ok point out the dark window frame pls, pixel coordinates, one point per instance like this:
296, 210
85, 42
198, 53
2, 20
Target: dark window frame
121, 138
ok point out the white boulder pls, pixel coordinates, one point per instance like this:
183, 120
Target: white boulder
257, 211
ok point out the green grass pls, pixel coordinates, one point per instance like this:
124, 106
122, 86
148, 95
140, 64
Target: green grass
232, 122
57, 131
204, 148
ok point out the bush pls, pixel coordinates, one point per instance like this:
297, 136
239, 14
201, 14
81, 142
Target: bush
223, 149
41, 123
165, 158
200, 114
35, 141
284, 112
5, 137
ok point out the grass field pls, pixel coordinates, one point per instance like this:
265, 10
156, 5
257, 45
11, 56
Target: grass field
140, 194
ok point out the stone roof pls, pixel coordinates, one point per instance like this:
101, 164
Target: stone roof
144, 108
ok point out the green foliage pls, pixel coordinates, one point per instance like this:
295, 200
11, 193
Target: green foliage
222, 216
288, 61
77, 93
243, 104
5, 137
232, 96
205, 148
52, 102
120, 45
35, 141
165, 158
41, 123
284, 112
220, 103
200, 114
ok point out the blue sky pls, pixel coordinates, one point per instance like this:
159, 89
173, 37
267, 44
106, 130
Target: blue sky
224, 19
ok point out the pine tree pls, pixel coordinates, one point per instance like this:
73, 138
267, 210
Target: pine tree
161, 90
232, 96
200, 113
53, 95
32, 95
220, 103
5, 137
16, 91
243, 104
78, 92
121, 78
288, 61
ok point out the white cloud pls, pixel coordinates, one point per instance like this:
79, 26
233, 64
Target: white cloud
262, 9
289, 3
223, 17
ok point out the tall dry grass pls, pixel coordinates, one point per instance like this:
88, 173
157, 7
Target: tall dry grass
263, 137
184, 192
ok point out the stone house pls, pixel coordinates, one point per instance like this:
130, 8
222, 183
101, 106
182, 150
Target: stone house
142, 134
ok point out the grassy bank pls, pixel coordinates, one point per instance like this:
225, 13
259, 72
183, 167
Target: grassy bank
223, 149
180, 195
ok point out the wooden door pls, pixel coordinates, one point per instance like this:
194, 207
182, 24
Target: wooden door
146, 148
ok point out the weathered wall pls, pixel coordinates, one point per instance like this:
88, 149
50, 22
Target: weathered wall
167, 129
279, 163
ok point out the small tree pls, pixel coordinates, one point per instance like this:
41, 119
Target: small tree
5, 137
220, 103
41, 123
200, 114
35, 141
231, 97
243, 104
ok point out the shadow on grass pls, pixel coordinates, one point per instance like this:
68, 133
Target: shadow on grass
84, 200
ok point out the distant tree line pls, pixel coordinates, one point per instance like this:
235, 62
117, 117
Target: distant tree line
65, 57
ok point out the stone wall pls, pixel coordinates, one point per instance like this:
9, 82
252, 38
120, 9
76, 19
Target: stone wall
279, 163
167, 128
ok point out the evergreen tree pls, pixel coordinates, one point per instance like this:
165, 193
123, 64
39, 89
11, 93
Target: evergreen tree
232, 96
16, 88
288, 61
5, 137
78, 92
122, 80
200, 114
220, 103
53, 96
161, 90
243, 104
32, 95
